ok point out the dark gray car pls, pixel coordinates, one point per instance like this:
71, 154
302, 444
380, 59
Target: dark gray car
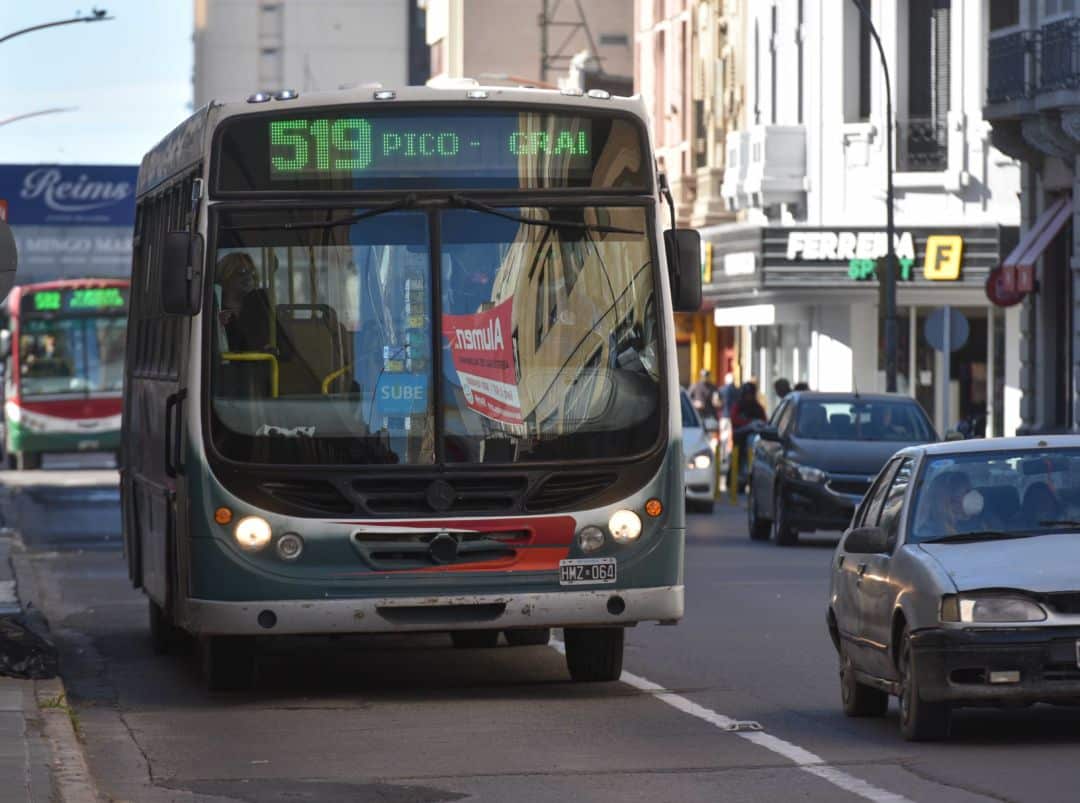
817, 457
957, 583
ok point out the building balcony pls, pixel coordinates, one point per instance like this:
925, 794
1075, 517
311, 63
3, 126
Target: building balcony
776, 170
1011, 67
1030, 71
923, 145
1059, 56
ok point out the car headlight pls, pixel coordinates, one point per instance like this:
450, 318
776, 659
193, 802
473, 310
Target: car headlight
702, 459
624, 526
805, 473
990, 609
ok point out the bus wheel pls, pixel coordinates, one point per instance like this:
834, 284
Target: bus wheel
228, 662
475, 639
536, 637
594, 654
27, 461
163, 634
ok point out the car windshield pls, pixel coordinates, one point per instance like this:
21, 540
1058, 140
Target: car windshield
325, 347
71, 356
862, 420
997, 494
690, 418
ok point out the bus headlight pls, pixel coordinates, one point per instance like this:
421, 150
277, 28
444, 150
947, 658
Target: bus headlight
590, 539
625, 526
252, 533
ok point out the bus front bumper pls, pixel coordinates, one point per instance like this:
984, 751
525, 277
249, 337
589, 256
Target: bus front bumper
608, 607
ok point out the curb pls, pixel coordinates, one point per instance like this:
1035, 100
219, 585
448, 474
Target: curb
71, 777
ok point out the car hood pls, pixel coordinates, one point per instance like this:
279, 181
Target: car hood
844, 457
694, 440
1042, 563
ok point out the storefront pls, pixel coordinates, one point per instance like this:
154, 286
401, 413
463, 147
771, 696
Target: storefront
805, 303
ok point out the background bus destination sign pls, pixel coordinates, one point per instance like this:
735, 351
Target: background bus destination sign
83, 299
361, 148
315, 146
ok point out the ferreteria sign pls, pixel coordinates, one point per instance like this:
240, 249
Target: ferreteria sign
842, 256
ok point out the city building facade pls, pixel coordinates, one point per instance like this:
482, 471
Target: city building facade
796, 274
1033, 103
306, 45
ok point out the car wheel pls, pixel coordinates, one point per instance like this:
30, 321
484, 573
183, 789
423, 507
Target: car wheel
534, 637
785, 534
759, 528
859, 700
594, 654
920, 721
475, 639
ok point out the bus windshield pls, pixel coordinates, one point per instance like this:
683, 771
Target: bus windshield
65, 356
536, 339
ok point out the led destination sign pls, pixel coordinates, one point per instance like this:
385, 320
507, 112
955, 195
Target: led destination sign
83, 299
364, 148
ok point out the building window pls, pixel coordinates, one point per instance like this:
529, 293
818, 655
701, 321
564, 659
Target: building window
1004, 14
858, 50
923, 134
614, 40
270, 76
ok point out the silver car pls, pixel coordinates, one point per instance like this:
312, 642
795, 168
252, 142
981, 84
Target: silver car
700, 473
957, 582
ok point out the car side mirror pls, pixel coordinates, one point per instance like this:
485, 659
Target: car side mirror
683, 248
5, 343
181, 273
866, 541
770, 434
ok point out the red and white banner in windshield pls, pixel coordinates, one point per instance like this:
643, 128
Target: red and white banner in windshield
483, 353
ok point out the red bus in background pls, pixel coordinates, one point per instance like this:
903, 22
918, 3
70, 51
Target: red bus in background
63, 346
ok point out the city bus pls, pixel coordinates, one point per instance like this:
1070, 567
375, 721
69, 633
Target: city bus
63, 347
404, 361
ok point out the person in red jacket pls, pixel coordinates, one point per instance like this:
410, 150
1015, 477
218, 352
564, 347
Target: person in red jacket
744, 415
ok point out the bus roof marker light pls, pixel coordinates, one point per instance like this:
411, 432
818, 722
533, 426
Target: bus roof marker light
599, 94
287, 94
572, 91
259, 97
476, 94
252, 533
384, 94
624, 526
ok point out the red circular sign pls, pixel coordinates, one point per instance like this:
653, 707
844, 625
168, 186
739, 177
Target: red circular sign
1001, 288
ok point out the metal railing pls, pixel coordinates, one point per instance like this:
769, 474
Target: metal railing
1059, 55
1011, 66
923, 145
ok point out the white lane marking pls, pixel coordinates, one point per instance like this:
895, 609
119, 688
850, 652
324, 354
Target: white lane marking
7, 591
802, 758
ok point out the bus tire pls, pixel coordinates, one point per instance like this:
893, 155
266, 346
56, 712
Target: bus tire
228, 662
594, 654
163, 635
27, 461
534, 637
475, 639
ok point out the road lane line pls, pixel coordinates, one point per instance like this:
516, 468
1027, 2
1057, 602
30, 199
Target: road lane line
802, 758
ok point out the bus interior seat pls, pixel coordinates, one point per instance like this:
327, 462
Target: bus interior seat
313, 336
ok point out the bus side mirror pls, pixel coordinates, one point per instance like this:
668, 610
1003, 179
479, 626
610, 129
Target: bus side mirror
181, 273
683, 248
5, 343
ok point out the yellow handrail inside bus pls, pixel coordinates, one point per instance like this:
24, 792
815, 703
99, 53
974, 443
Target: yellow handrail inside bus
257, 356
330, 377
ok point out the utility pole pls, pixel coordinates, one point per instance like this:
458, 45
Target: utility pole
560, 57
888, 281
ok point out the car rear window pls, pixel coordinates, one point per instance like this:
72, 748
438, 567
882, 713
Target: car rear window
690, 418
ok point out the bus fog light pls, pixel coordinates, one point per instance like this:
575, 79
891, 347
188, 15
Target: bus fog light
252, 533
625, 526
590, 539
289, 546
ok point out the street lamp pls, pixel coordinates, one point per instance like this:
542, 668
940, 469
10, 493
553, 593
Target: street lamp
38, 113
889, 280
96, 15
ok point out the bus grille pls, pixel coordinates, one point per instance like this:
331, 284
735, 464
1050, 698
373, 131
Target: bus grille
311, 495
565, 490
402, 496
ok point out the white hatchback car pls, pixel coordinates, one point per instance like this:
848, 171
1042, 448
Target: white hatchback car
699, 453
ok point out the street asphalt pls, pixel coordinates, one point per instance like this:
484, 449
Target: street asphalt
411, 719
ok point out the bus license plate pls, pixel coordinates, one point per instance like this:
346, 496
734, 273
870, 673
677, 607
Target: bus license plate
583, 571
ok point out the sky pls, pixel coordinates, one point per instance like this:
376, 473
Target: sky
130, 79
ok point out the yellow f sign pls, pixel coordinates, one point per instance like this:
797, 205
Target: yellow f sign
943, 252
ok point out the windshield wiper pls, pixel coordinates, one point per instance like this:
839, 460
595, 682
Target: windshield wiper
468, 203
975, 535
408, 202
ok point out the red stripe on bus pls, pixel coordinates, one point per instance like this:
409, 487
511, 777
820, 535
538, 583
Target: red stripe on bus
74, 408
539, 559
543, 530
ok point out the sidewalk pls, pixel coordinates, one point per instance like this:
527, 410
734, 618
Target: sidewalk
41, 760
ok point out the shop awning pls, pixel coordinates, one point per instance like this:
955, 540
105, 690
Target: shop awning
1038, 238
